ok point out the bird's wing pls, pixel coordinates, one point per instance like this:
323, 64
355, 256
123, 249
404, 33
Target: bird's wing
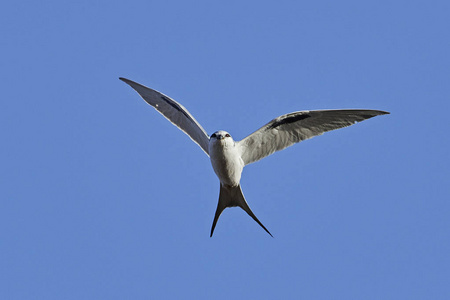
174, 112
295, 127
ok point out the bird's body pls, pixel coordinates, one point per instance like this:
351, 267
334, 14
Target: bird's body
225, 159
225, 156
228, 157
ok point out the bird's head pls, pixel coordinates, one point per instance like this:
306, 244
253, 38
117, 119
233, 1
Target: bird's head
222, 136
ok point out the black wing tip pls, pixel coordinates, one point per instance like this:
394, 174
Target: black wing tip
379, 113
125, 80
371, 112
135, 85
382, 112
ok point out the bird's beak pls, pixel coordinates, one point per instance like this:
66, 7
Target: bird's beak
220, 137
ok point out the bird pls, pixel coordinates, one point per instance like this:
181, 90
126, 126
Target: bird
229, 157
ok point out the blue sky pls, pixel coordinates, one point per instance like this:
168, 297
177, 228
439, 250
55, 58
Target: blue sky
102, 198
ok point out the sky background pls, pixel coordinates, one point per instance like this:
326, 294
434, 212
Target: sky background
102, 198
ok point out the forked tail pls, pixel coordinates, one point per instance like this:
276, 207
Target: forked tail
230, 197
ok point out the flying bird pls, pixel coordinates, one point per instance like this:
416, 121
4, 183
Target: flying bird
228, 157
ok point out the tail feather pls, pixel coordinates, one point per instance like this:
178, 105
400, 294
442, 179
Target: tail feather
230, 197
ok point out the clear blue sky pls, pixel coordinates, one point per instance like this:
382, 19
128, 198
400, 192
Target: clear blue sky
102, 198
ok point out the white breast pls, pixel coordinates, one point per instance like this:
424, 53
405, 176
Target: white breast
226, 161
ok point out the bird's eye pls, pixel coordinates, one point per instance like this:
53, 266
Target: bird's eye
213, 135
227, 135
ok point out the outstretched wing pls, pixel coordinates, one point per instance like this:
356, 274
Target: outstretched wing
174, 112
295, 127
